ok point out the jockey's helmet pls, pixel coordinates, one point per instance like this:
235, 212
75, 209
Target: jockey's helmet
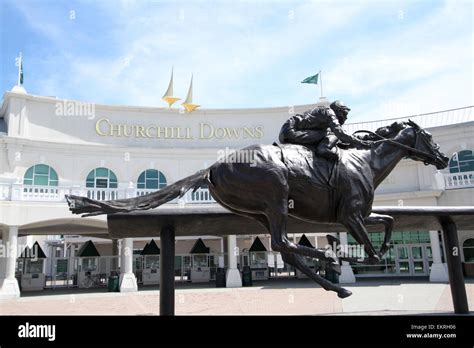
339, 105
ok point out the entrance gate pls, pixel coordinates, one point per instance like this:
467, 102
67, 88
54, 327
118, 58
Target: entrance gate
413, 259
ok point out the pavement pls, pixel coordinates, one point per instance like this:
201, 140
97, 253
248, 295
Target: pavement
272, 297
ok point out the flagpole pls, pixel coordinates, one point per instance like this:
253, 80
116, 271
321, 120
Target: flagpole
321, 80
19, 69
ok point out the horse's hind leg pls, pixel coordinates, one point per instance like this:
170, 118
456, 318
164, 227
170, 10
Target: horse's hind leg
277, 217
297, 261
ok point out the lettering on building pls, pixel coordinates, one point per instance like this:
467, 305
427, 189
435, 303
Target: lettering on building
104, 127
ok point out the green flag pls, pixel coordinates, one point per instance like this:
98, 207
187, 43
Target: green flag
21, 72
311, 79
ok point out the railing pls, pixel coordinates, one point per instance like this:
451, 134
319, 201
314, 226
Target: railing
459, 180
103, 194
201, 195
38, 193
428, 120
142, 192
21, 192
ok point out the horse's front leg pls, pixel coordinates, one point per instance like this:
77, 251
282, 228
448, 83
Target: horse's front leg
387, 221
355, 226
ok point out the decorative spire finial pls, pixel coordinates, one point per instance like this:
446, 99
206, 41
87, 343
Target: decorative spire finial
168, 97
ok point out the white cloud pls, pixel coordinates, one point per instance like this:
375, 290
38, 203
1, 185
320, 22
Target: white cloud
233, 47
421, 68
225, 62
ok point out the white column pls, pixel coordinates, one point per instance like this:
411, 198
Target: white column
233, 279
9, 284
439, 270
347, 274
221, 254
128, 281
120, 255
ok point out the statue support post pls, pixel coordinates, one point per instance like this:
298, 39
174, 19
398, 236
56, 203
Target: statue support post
167, 237
453, 256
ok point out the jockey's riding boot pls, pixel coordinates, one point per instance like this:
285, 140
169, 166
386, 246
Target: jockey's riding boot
327, 153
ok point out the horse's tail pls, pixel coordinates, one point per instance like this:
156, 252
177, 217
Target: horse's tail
81, 205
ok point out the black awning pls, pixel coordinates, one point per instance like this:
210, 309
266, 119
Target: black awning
199, 248
151, 249
304, 241
257, 245
88, 250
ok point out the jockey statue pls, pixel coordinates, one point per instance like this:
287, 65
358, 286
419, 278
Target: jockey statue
320, 128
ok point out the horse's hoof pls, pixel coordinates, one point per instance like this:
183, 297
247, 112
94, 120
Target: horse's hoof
373, 260
343, 293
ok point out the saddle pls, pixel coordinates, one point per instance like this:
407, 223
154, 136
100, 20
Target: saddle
304, 164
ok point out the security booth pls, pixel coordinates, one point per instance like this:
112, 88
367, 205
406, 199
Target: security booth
200, 270
88, 274
33, 276
258, 260
309, 261
151, 264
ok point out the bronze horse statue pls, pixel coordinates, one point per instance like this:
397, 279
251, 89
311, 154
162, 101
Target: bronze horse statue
289, 180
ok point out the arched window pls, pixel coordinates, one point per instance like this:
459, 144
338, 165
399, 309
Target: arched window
151, 179
41, 175
468, 249
462, 161
101, 178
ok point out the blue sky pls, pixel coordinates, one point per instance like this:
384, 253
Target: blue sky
383, 58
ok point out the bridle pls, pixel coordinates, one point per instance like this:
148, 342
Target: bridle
403, 146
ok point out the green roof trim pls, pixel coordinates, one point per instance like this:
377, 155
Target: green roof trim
304, 241
199, 248
88, 249
257, 245
151, 249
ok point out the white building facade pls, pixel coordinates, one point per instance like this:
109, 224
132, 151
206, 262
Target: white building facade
51, 147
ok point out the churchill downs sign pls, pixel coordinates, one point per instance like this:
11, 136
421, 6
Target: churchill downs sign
104, 127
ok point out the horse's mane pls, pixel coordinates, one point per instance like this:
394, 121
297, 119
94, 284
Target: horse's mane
389, 131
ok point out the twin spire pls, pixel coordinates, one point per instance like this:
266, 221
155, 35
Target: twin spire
168, 97
188, 103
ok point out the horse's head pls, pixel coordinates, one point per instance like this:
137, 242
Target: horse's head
426, 150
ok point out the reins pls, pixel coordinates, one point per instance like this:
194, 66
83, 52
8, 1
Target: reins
396, 143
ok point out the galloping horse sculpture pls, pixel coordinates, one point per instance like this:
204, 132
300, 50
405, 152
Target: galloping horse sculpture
289, 180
